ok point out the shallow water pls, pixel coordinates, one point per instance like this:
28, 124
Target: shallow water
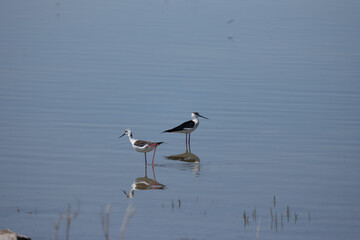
278, 80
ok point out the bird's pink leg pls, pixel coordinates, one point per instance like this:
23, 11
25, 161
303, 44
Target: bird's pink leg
145, 160
189, 143
152, 163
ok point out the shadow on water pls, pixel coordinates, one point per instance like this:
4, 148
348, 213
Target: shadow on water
144, 183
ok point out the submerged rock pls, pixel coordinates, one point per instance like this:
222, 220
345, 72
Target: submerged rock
7, 234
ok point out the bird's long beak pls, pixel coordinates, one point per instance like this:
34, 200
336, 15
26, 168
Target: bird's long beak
203, 116
122, 135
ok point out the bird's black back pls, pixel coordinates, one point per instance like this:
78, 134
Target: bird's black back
141, 143
188, 124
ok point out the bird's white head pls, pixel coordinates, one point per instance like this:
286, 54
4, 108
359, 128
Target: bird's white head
127, 132
195, 115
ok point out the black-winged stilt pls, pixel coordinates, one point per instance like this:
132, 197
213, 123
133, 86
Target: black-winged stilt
141, 145
187, 127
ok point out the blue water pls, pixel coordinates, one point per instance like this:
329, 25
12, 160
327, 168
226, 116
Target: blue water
278, 80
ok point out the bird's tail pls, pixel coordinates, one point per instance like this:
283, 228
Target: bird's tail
158, 143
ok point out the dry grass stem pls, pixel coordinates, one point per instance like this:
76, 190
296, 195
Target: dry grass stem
258, 229
129, 212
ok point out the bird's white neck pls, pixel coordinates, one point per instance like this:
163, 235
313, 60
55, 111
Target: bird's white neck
194, 118
132, 140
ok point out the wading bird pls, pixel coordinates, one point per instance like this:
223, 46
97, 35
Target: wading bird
141, 145
187, 127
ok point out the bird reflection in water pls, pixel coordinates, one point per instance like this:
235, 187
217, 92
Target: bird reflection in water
185, 157
144, 183
193, 161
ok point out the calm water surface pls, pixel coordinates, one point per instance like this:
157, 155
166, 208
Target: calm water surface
278, 80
